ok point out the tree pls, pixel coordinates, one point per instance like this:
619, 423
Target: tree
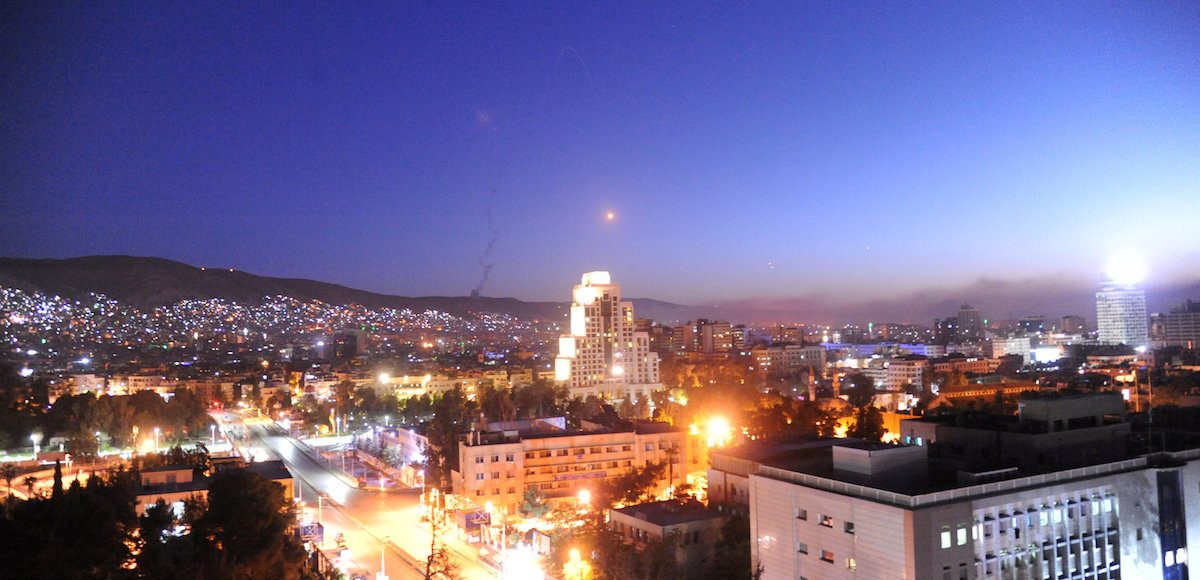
868, 424
453, 415
439, 565
533, 504
731, 558
243, 532
83, 445
497, 404
9, 473
29, 482
859, 388
633, 486
56, 492
78, 533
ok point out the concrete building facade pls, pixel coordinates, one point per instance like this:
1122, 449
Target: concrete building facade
1125, 519
1121, 316
604, 355
498, 466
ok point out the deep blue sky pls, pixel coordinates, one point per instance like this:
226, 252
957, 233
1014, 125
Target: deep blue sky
861, 148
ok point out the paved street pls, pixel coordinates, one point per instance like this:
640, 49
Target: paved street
365, 517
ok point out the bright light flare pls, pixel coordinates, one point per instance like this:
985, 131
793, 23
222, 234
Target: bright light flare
1126, 269
610, 216
522, 563
576, 568
718, 432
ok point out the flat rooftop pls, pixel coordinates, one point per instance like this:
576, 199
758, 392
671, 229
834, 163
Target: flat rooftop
670, 512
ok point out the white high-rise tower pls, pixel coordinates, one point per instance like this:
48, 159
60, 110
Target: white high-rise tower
603, 355
1121, 315
1121, 304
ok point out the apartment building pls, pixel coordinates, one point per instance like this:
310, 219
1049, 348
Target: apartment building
789, 358
499, 463
694, 528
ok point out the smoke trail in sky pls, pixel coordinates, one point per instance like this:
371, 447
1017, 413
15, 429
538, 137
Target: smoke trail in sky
485, 263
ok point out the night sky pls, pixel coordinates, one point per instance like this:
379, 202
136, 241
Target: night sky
856, 149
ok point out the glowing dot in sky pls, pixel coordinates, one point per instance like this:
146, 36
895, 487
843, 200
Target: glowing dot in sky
610, 216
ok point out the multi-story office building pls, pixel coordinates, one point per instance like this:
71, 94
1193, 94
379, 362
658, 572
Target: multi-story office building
603, 355
1179, 327
945, 330
790, 358
1018, 345
497, 464
965, 364
739, 336
908, 370
856, 509
787, 334
1072, 324
703, 335
1121, 315
970, 324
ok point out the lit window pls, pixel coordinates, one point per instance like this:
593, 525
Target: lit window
945, 539
826, 521
962, 535
826, 556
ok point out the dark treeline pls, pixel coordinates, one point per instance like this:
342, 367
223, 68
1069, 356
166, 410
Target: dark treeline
95, 531
78, 418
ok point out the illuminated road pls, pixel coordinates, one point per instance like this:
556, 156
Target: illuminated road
363, 516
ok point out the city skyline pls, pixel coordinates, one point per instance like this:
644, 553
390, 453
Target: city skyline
708, 156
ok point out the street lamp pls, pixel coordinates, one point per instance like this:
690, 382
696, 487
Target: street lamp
382, 561
585, 498
320, 499
156, 432
213, 429
37, 440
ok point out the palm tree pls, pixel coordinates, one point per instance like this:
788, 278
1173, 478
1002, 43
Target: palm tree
29, 483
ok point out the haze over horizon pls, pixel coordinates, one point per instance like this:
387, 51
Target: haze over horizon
785, 152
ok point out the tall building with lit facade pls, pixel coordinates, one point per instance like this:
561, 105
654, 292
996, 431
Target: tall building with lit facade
1121, 315
604, 355
970, 324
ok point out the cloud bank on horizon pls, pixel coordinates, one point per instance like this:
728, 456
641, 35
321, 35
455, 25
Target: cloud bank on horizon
997, 299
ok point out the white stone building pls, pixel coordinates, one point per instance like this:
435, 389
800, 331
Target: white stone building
603, 355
